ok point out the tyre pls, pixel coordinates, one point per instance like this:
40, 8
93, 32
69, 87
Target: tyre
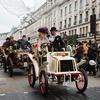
10, 67
81, 81
31, 76
43, 83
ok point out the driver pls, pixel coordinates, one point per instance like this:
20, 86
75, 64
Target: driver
42, 37
23, 43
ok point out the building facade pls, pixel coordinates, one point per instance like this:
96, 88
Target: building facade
69, 16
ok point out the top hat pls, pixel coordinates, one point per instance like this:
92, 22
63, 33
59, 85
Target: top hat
53, 29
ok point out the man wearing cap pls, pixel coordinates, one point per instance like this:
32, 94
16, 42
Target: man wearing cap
23, 43
56, 41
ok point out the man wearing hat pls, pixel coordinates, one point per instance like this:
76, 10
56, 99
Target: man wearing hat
53, 34
56, 41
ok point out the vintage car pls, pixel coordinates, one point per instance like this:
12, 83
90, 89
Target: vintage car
59, 68
16, 58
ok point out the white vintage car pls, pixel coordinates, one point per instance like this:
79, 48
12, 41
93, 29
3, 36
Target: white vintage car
59, 68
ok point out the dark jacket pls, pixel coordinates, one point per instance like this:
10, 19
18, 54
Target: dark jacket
58, 44
23, 44
92, 52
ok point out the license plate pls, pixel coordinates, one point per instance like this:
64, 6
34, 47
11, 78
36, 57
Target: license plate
25, 64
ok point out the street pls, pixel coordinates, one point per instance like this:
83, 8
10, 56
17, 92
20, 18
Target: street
17, 88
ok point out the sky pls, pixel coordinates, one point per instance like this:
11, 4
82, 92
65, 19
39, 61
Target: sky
10, 10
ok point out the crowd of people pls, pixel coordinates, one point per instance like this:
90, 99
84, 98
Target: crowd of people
87, 50
83, 50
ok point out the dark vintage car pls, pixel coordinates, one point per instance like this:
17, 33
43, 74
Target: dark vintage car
15, 58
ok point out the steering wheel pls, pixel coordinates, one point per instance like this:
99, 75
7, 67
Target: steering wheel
44, 45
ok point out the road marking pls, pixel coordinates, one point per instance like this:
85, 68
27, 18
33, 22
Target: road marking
2, 79
2, 95
26, 92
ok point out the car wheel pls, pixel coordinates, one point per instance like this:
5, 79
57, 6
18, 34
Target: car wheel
81, 81
43, 83
31, 76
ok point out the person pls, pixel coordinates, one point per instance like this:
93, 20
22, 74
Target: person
23, 43
13, 43
42, 37
79, 52
69, 49
92, 55
56, 40
85, 48
6, 43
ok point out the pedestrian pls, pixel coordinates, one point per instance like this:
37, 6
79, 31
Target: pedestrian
98, 61
69, 49
92, 55
85, 48
79, 52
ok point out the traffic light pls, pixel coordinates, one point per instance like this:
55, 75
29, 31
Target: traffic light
93, 24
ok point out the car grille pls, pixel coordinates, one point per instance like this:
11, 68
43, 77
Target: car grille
66, 65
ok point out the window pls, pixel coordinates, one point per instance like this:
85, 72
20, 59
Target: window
72, 32
69, 22
65, 10
75, 31
69, 32
93, 11
87, 2
70, 7
61, 12
87, 14
55, 1
81, 2
86, 29
54, 24
80, 18
65, 23
83, 30
61, 25
76, 5
75, 20
80, 31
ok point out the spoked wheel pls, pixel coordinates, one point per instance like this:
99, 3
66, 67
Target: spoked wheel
10, 67
43, 82
31, 76
82, 81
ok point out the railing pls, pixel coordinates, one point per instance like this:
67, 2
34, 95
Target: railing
88, 35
